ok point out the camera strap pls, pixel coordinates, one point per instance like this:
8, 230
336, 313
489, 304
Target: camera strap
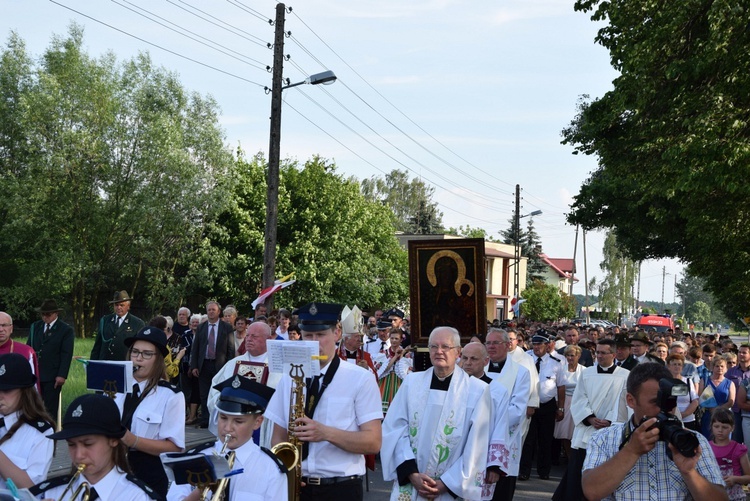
627, 430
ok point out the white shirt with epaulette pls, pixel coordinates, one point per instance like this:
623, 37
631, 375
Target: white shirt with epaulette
114, 486
160, 415
29, 448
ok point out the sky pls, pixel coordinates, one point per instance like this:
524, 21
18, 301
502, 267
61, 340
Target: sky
470, 97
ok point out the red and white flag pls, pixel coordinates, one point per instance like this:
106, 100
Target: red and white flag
279, 284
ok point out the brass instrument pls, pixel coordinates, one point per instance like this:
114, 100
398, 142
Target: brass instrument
221, 485
290, 452
84, 487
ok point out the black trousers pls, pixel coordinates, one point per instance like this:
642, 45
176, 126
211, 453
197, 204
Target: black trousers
539, 440
350, 490
51, 397
207, 372
570, 488
504, 489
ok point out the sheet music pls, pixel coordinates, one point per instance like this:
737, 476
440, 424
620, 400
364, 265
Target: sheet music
282, 354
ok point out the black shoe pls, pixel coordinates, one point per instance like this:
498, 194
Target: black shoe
544, 477
523, 476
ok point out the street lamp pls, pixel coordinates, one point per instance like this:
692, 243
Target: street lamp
274, 151
517, 250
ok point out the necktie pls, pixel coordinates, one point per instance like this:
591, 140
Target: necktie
119, 322
93, 494
131, 403
538, 364
46, 329
211, 351
382, 345
2, 422
618, 363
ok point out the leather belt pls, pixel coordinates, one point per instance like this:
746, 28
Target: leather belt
329, 480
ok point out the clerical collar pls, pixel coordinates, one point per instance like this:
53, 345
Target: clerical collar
350, 354
605, 370
497, 366
440, 383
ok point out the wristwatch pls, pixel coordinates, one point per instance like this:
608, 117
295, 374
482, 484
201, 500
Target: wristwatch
561, 409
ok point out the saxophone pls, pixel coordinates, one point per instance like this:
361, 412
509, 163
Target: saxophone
290, 453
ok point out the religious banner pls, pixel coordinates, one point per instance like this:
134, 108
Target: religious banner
446, 282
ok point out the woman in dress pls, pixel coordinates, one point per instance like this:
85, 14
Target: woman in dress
564, 427
722, 389
92, 428
392, 367
154, 413
189, 384
25, 451
687, 404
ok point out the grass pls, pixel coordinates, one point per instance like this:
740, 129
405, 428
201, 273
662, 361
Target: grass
75, 385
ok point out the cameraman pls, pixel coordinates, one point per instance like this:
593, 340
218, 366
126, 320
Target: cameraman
626, 461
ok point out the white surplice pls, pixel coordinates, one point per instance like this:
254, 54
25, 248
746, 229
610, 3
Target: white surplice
499, 452
602, 395
446, 432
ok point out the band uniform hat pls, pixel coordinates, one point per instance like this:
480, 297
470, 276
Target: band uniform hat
622, 340
395, 312
153, 335
384, 324
241, 396
15, 372
49, 306
351, 320
121, 297
641, 336
91, 414
540, 336
316, 317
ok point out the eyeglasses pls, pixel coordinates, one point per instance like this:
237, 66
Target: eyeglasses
440, 347
6, 325
145, 354
495, 343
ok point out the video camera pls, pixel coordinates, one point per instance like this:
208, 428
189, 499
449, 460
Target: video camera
670, 427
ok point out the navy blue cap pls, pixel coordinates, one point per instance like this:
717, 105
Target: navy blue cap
541, 336
15, 372
315, 317
153, 335
384, 323
241, 395
91, 414
395, 312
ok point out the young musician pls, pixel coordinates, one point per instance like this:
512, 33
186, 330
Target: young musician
154, 413
25, 452
93, 431
241, 406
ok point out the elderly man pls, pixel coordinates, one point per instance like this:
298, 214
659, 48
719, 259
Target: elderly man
474, 358
115, 328
623, 357
256, 352
436, 432
213, 346
342, 418
351, 347
639, 344
571, 339
52, 340
7, 345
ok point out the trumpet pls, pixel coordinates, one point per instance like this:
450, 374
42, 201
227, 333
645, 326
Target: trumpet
221, 485
290, 453
84, 487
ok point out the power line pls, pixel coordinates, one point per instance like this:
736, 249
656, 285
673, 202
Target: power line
251, 11
257, 41
156, 45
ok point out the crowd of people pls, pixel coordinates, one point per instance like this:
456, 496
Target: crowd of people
472, 425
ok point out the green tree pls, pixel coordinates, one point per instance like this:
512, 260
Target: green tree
107, 171
699, 312
616, 287
543, 303
340, 246
535, 266
672, 138
410, 200
470, 232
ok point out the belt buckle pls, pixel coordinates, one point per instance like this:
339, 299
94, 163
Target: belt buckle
313, 480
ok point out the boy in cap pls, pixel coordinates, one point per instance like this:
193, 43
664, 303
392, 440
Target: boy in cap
240, 407
92, 428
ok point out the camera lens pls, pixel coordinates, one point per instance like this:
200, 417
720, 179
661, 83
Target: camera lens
684, 441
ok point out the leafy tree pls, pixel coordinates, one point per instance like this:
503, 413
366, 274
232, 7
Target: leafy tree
339, 245
469, 232
616, 287
699, 312
544, 303
108, 171
410, 200
672, 138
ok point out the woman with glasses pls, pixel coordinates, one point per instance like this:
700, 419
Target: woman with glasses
154, 414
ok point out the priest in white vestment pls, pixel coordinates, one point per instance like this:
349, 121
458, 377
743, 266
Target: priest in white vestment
436, 432
256, 351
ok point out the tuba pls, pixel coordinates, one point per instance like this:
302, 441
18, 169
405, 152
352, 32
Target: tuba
84, 487
290, 453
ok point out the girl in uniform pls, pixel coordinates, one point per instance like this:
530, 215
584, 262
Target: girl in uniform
93, 431
25, 452
154, 414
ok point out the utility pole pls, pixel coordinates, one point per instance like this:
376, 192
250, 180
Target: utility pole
274, 152
586, 278
573, 271
663, 278
516, 238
